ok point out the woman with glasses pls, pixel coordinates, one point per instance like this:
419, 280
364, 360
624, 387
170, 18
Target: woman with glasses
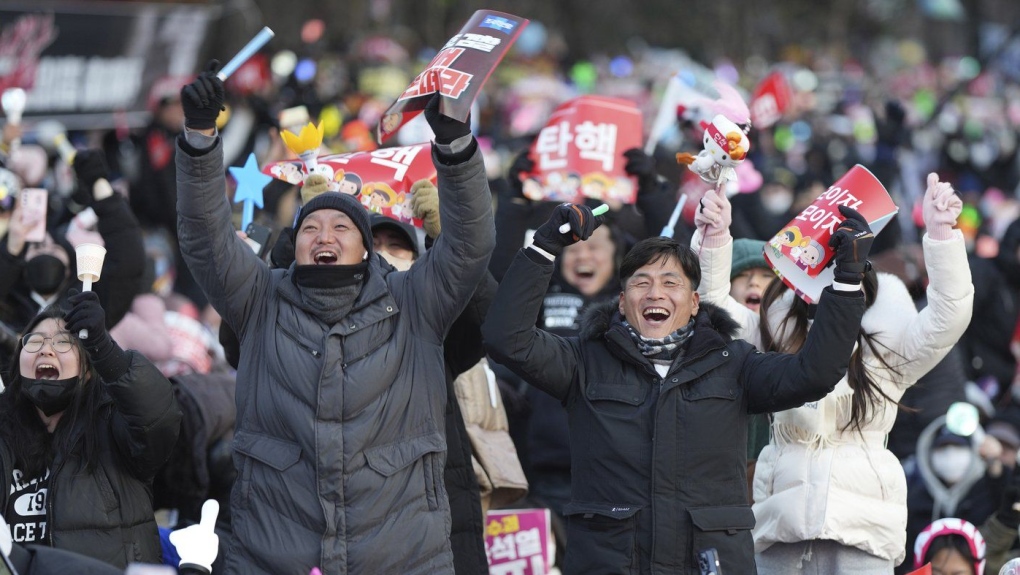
85, 427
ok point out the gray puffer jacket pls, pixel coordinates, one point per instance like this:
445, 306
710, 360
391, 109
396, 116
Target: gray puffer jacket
340, 439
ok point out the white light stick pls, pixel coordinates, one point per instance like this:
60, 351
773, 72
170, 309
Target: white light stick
89, 258
13, 103
669, 229
248, 51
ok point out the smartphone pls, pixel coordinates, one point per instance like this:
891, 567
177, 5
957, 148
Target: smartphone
708, 562
258, 238
33, 209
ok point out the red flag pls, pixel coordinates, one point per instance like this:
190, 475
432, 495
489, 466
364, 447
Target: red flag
926, 570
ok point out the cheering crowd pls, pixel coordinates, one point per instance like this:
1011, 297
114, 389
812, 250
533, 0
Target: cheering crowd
354, 395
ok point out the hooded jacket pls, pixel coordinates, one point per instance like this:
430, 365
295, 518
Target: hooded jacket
658, 463
340, 441
816, 480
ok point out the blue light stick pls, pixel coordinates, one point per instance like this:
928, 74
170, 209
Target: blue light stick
248, 51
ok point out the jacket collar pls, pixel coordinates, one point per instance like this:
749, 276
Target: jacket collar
713, 328
373, 289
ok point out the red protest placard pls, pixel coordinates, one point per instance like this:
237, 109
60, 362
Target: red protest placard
458, 71
800, 252
579, 152
770, 101
382, 179
519, 542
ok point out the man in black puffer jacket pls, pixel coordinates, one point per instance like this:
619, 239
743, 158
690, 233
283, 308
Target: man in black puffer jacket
658, 397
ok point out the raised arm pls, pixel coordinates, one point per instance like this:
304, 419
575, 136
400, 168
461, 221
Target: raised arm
146, 419
444, 279
937, 328
121, 233
547, 361
775, 381
714, 246
228, 271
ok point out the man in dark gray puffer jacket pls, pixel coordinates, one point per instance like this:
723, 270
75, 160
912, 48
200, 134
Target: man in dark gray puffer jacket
340, 390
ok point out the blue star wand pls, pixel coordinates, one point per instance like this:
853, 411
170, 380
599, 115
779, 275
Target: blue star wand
250, 181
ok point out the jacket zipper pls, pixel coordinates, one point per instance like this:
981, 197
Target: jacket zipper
314, 352
49, 500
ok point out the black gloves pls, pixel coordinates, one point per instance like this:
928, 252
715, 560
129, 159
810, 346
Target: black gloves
582, 225
202, 99
446, 128
89, 167
107, 357
642, 166
522, 164
852, 242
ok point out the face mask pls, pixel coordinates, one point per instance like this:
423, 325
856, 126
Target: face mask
45, 273
950, 463
49, 395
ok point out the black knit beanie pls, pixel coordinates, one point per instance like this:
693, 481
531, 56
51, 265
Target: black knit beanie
345, 203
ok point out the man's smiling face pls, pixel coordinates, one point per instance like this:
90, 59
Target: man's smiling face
658, 298
328, 237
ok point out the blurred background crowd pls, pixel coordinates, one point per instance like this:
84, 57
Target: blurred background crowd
901, 87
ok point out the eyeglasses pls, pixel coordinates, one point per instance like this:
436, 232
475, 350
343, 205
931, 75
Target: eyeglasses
33, 342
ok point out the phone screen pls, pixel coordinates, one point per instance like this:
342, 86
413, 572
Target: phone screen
33, 209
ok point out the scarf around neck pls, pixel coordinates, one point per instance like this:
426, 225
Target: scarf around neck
661, 348
330, 291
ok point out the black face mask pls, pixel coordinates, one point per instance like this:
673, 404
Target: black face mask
49, 395
45, 273
314, 276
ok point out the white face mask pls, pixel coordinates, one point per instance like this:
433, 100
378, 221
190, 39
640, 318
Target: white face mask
950, 463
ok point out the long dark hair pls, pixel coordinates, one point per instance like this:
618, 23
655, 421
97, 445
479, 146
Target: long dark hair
24, 432
868, 396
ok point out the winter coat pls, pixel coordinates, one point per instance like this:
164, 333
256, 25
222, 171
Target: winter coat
659, 462
462, 349
340, 440
107, 513
815, 480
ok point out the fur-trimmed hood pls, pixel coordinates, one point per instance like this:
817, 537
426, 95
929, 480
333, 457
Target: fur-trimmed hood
598, 317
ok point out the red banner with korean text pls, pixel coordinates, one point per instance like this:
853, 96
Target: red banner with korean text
579, 152
458, 71
381, 179
800, 252
519, 542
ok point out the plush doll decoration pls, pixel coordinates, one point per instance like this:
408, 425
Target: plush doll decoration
725, 139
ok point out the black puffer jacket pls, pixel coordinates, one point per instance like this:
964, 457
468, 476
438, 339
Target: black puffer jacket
658, 463
107, 513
